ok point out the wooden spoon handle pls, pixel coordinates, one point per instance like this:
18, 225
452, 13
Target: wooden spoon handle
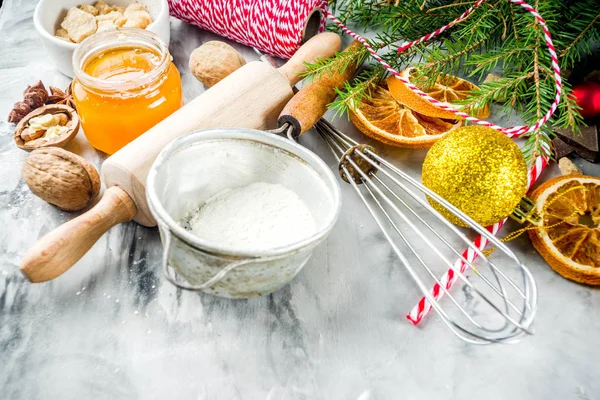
61, 248
323, 45
310, 103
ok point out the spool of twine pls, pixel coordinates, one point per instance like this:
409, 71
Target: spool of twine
277, 27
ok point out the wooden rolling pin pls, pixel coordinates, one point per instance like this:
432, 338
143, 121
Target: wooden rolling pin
251, 97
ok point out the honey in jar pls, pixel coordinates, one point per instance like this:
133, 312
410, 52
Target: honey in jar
125, 83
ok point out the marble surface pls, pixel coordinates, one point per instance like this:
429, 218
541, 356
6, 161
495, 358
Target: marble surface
113, 328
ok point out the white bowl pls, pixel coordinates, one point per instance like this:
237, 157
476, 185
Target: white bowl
49, 14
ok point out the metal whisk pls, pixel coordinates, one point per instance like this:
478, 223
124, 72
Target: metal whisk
508, 295
500, 301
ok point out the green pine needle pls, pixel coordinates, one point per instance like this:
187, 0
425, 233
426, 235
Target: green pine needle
497, 37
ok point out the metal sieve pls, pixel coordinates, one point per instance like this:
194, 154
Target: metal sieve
199, 165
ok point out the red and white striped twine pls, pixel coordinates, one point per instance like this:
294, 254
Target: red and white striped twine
272, 26
276, 27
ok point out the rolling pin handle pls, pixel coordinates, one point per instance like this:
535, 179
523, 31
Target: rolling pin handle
61, 248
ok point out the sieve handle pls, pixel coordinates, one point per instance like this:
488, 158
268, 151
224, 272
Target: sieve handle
310, 103
321, 46
186, 286
61, 248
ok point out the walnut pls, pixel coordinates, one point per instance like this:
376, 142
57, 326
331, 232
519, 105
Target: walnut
63, 119
53, 125
30, 134
213, 61
61, 178
43, 122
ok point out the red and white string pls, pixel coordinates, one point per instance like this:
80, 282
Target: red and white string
276, 26
272, 26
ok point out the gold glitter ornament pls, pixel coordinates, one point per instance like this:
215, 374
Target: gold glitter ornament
480, 171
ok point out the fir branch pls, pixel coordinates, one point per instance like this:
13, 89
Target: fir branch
581, 36
498, 91
353, 94
338, 63
450, 57
466, 3
497, 37
512, 17
538, 136
487, 62
569, 116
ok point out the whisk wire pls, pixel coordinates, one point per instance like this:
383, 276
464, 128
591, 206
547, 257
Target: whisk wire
369, 185
445, 318
440, 237
419, 258
448, 245
453, 326
332, 130
382, 195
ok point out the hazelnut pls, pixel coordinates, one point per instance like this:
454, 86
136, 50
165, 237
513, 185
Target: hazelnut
61, 178
213, 61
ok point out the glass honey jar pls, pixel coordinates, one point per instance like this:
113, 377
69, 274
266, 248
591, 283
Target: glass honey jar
125, 83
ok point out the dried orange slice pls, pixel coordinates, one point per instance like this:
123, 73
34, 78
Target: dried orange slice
385, 119
570, 241
447, 89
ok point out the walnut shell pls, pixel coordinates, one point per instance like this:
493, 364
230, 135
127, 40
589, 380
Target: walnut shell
61, 178
60, 141
213, 61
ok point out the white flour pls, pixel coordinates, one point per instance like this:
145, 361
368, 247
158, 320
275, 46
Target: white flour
259, 216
